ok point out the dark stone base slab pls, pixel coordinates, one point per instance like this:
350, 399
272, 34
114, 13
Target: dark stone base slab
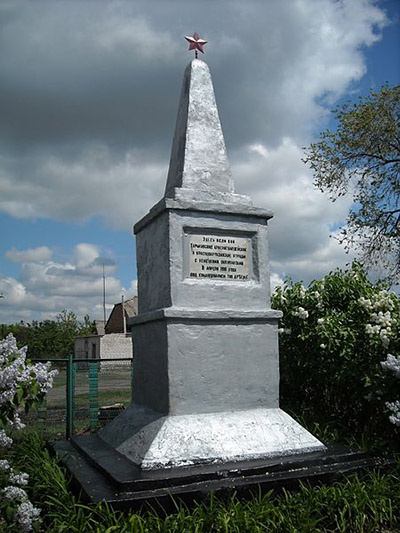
103, 474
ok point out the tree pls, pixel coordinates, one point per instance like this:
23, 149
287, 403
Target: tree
56, 338
362, 158
50, 338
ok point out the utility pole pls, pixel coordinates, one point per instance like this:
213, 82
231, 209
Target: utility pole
123, 314
104, 296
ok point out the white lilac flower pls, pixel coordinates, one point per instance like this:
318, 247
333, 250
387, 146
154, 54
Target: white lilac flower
302, 292
14, 494
281, 330
5, 440
288, 331
395, 419
9, 352
44, 376
26, 514
395, 408
384, 301
385, 318
4, 465
382, 327
365, 302
14, 372
7, 395
301, 313
392, 363
384, 337
322, 346
320, 321
16, 423
19, 479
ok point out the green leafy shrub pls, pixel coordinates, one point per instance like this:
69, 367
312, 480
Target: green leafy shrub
333, 337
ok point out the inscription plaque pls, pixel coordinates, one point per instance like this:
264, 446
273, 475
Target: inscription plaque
224, 257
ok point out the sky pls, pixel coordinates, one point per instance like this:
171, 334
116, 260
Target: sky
89, 93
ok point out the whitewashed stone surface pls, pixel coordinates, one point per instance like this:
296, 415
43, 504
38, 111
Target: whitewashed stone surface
174, 441
206, 374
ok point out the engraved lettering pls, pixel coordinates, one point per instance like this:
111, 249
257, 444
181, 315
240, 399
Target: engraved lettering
219, 257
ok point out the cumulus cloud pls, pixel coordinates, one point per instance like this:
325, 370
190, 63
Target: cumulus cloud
304, 218
13, 292
275, 281
45, 287
93, 184
93, 105
306, 267
31, 255
88, 112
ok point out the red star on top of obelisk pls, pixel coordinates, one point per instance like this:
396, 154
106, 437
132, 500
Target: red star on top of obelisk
196, 43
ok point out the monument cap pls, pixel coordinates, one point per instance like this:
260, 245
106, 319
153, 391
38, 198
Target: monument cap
199, 162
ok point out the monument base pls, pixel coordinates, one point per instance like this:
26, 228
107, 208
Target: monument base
153, 441
100, 473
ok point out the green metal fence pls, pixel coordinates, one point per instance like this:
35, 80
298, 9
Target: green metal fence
86, 394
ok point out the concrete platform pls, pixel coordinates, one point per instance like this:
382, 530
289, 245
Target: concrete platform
103, 474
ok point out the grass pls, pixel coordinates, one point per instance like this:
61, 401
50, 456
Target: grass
105, 397
356, 505
114, 386
51, 422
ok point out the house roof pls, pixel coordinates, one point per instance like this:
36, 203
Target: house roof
131, 307
99, 325
115, 322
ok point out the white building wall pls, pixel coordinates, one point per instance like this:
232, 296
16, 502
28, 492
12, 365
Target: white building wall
115, 346
87, 347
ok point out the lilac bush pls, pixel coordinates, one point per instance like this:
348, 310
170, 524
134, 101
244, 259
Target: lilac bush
333, 336
392, 364
22, 385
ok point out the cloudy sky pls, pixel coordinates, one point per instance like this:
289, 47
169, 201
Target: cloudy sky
88, 99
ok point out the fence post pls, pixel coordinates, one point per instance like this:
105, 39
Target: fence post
93, 396
132, 376
70, 397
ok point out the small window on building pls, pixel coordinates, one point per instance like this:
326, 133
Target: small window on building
93, 351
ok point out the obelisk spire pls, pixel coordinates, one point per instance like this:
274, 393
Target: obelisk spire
199, 161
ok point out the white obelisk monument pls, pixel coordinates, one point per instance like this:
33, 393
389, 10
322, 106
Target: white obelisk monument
206, 365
